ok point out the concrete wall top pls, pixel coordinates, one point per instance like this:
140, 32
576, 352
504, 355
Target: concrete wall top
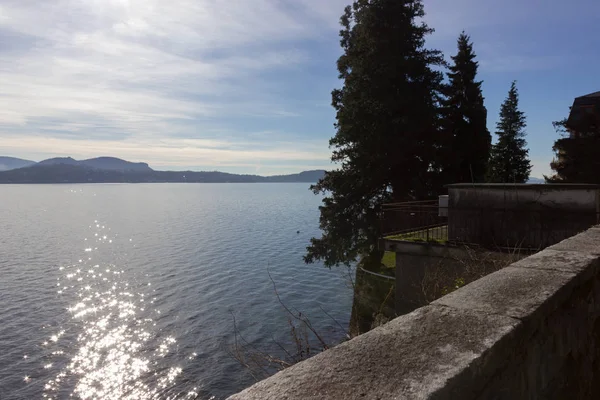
512, 334
575, 197
521, 186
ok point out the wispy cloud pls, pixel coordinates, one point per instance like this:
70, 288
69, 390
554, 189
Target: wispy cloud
124, 74
182, 153
124, 77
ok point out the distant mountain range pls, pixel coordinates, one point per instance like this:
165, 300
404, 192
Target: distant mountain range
104, 163
116, 170
8, 163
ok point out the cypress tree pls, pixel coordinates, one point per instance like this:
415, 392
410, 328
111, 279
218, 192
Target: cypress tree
387, 136
465, 118
509, 161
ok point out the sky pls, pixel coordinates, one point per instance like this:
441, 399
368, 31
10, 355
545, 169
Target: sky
244, 86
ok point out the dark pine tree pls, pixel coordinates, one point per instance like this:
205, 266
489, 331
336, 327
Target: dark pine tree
577, 151
509, 160
387, 130
465, 119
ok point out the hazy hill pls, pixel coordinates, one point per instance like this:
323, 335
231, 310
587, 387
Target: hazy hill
112, 163
306, 176
59, 160
8, 163
113, 170
103, 163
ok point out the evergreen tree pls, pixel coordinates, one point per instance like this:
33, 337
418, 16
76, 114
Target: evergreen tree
465, 119
387, 130
577, 157
509, 161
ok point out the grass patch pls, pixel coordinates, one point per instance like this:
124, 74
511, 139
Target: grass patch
438, 234
389, 259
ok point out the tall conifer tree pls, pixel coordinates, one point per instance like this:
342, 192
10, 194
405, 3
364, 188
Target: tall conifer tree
465, 119
387, 130
509, 161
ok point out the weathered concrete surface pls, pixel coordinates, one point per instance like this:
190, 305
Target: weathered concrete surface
528, 331
535, 285
587, 242
413, 356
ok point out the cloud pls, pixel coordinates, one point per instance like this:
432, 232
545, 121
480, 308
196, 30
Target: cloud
129, 73
180, 153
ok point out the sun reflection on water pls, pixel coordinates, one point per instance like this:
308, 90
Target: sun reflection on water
115, 352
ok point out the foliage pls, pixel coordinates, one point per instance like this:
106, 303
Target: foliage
576, 159
449, 275
458, 283
465, 118
509, 161
388, 139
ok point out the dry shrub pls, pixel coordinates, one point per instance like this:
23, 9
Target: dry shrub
305, 342
450, 274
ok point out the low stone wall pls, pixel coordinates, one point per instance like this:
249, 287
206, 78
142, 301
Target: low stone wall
528, 331
424, 268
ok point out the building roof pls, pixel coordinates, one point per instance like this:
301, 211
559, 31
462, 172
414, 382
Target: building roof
589, 99
595, 94
585, 112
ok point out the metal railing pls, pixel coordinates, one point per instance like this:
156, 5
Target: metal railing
415, 220
533, 226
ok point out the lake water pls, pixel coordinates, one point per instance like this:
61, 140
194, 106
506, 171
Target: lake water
130, 291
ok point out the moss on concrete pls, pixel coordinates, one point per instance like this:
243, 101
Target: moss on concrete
389, 260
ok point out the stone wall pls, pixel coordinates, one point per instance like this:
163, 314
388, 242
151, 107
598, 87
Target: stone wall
424, 269
528, 331
527, 216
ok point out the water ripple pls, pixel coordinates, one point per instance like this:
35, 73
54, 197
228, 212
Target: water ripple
128, 291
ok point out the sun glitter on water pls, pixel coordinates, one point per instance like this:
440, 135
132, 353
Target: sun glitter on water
114, 352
